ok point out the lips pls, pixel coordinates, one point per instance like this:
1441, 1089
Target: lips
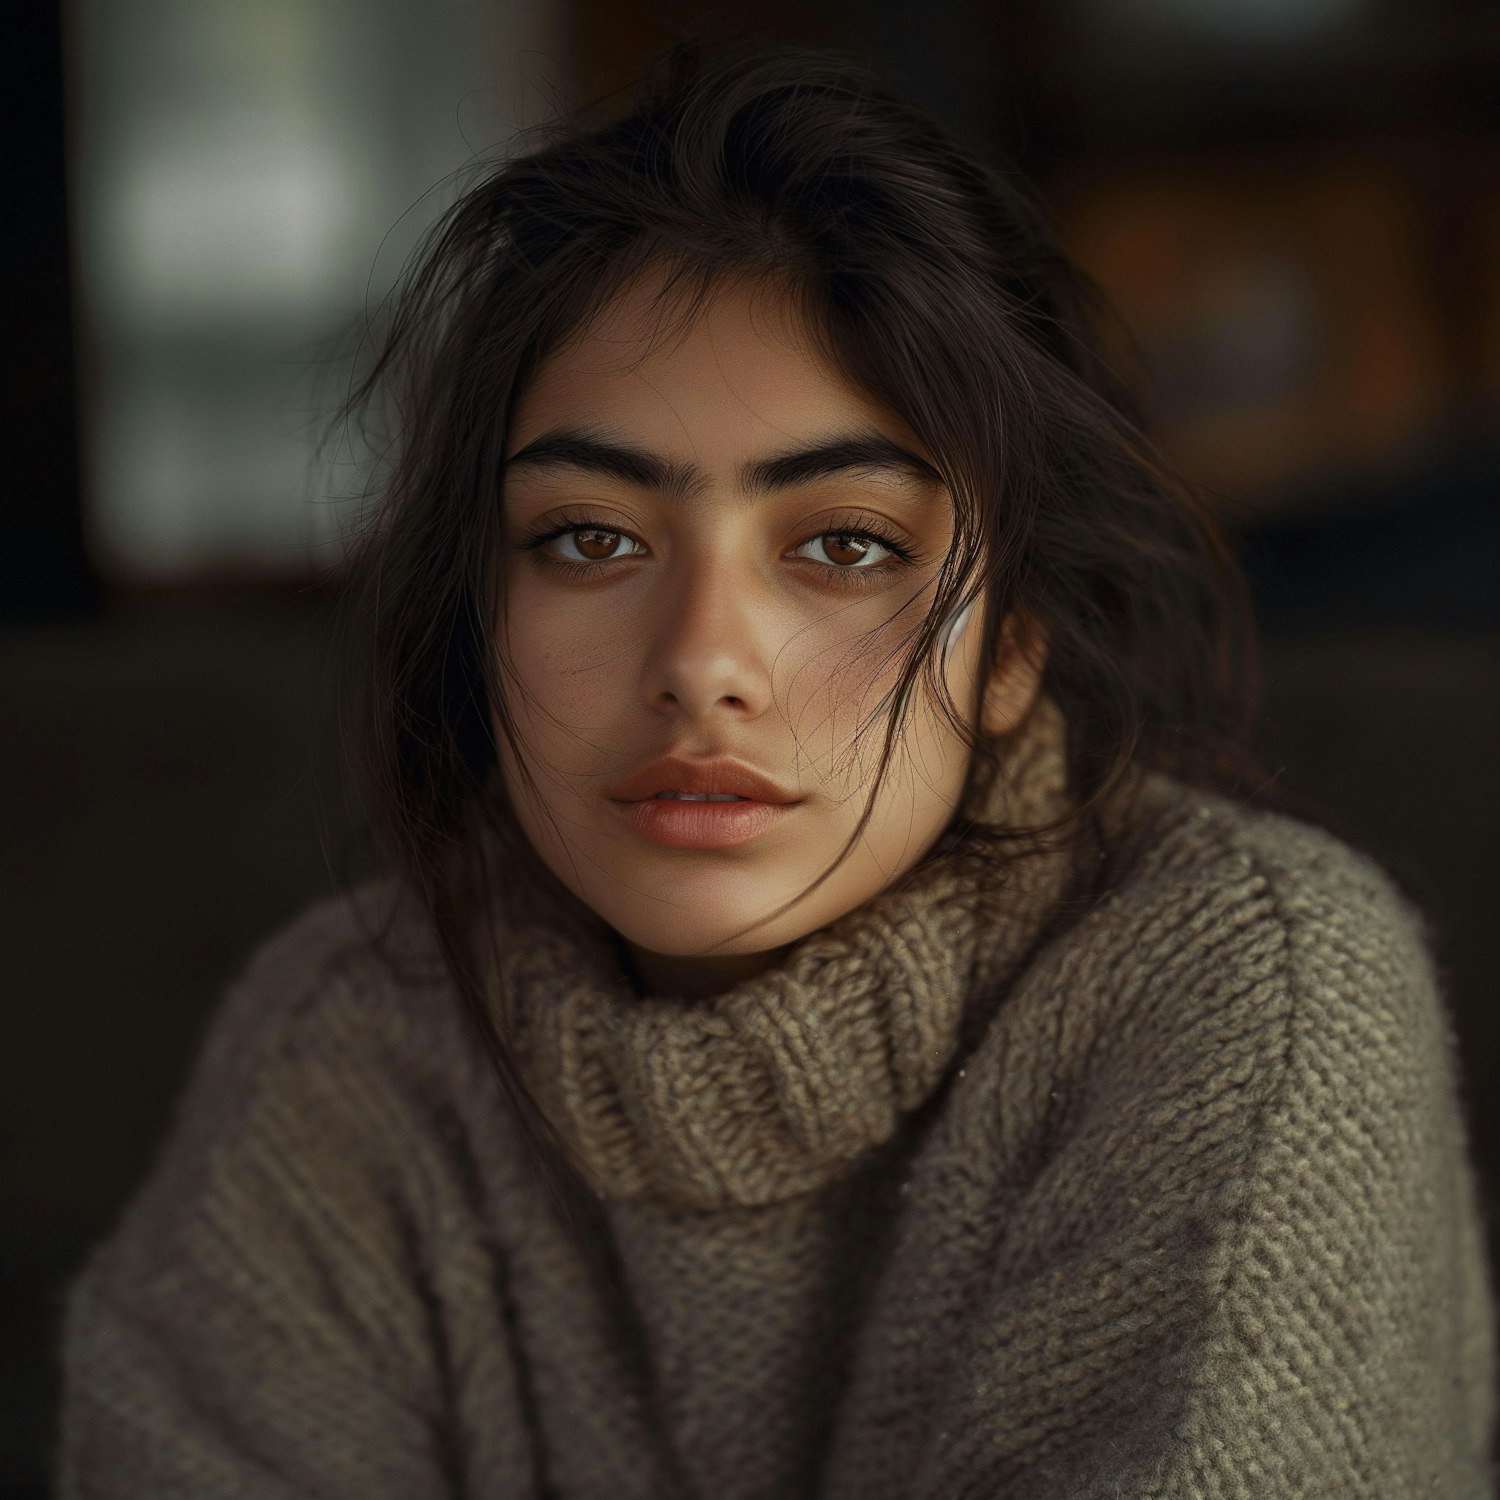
676, 824
676, 773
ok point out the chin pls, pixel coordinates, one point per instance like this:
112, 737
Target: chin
701, 912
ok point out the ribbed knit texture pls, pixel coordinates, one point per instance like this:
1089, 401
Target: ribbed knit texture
1189, 1213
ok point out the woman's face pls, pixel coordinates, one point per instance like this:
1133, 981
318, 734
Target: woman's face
723, 578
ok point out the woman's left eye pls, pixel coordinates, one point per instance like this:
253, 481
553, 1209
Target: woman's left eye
863, 545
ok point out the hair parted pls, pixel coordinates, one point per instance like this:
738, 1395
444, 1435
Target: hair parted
930, 279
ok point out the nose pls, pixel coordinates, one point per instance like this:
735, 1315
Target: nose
710, 650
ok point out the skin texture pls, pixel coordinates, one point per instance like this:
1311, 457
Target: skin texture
714, 622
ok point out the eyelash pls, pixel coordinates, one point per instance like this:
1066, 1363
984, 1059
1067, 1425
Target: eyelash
859, 527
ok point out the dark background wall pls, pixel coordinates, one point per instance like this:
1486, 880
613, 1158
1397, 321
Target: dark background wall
1300, 222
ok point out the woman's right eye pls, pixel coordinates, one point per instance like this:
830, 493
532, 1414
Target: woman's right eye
591, 538
593, 545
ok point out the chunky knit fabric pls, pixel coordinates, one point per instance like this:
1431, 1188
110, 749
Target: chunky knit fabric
1170, 1201
772, 1089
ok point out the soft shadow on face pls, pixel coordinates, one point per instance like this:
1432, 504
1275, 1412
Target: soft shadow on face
710, 610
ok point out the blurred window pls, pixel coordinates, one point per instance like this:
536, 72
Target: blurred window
244, 179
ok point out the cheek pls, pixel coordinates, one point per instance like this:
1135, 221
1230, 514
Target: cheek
932, 738
842, 695
558, 691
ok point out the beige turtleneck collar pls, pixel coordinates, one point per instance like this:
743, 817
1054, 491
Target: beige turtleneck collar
773, 1087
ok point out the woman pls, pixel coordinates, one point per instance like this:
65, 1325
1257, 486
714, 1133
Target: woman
848, 1017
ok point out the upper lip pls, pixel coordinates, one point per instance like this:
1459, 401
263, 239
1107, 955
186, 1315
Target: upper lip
676, 773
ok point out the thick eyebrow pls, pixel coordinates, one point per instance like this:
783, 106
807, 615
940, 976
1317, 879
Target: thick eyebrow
596, 453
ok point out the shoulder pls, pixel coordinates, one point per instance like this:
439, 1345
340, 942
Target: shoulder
1255, 1010
1219, 1118
323, 1084
1214, 880
1244, 959
290, 1223
1255, 1001
366, 949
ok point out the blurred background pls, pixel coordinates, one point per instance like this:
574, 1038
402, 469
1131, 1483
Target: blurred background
1294, 204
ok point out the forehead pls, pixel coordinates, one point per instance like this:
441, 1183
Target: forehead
740, 373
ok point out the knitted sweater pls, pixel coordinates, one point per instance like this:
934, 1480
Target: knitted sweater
1171, 1200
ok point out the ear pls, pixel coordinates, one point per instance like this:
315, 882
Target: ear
1017, 676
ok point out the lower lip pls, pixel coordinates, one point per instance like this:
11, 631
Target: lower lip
700, 825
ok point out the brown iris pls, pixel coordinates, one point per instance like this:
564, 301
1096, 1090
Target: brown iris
581, 536
851, 542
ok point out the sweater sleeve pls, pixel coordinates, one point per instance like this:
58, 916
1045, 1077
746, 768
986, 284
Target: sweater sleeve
1253, 1264
255, 1325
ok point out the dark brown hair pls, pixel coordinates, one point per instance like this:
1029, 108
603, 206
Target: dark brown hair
931, 280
